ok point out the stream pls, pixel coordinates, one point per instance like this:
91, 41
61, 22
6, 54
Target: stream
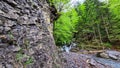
113, 63
67, 48
79, 60
75, 60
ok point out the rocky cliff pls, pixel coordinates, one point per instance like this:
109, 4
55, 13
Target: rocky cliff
25, 35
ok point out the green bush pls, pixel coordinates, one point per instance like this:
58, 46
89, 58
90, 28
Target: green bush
65, 27
108, 45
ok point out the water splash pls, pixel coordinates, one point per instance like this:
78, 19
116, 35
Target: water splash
67, 48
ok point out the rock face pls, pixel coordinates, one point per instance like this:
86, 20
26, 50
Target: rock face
26, 39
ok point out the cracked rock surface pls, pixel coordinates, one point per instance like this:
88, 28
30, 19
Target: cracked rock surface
26, 39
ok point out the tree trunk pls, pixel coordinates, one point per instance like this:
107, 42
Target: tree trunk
98, 26
106, 28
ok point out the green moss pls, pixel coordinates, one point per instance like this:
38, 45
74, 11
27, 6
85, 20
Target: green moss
29, 61
10, 35
20, 56
26, 42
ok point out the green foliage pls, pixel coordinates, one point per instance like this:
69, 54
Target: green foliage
114, 7
92, 21
10, 35
108, 45
65, 27
59, 4
21, 56
87, 19
29, 61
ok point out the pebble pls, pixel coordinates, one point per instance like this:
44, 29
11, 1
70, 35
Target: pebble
104, 55
16, 49
113, 57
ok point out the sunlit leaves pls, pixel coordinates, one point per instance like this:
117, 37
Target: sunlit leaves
65, 27
114, 7
59, 4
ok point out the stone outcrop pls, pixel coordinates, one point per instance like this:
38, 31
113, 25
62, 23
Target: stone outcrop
26, 39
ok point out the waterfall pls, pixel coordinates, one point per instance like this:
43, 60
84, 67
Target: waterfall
67, 48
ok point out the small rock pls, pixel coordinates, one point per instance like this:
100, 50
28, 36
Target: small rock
104, 55
26, 11
74, 49
7, 28
113, 57
9, 66
16, 49
92, 62
5, 9
1, 66
1, 29
12, 2
2, 45
31, 51
1, 12
1, 23
9, 23
1, 52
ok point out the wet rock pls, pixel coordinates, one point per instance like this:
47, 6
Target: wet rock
75, 60
92, 62
113, 57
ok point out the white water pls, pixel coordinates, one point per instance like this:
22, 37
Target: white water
67, 48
